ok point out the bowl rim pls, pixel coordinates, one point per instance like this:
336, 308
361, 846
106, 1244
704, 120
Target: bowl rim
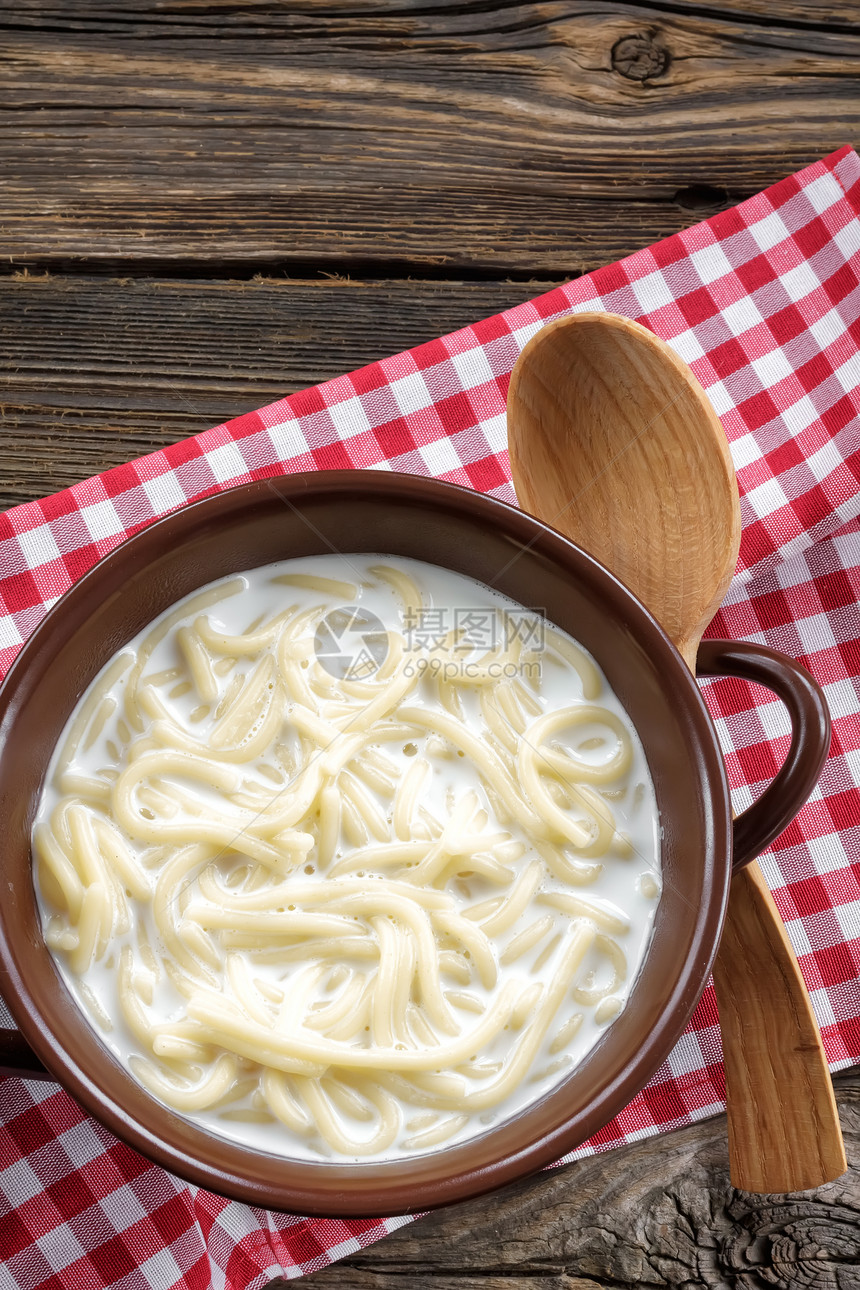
371, 1189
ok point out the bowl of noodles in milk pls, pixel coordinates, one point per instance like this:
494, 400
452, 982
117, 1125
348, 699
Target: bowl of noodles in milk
367, 843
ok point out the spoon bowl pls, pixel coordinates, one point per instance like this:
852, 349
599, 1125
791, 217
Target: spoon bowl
602, 416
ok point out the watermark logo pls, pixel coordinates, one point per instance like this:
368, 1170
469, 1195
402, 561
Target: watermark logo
351, 643
468, 629
449, 643
445, 641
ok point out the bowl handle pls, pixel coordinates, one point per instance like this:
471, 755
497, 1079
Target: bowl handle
18, 1058
757, 826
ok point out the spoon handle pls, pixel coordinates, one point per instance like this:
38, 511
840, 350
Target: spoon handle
784, 1130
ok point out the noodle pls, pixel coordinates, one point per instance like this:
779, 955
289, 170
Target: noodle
359, 909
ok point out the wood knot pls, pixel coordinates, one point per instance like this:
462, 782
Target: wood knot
639, 57
702, 197
798, 1243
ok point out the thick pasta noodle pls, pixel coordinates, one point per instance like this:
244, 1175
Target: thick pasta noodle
337, 874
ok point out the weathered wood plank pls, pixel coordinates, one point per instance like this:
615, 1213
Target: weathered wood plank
96, 371
367, 1279
135, 17
62, 15
646, 1215
528, 138
355, 1279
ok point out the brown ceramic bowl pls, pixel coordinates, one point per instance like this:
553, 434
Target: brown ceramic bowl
397, 515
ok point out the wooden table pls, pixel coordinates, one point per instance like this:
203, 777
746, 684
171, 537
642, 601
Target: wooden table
207, 204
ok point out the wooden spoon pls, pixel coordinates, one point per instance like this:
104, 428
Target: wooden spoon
614, 443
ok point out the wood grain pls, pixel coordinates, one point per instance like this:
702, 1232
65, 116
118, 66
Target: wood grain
96, 371
613, 441
506, 138
771, 1044
650, 1215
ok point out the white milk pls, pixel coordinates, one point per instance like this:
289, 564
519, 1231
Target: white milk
629, 884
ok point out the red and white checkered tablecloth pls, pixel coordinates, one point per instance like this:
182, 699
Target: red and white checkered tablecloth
764, 302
